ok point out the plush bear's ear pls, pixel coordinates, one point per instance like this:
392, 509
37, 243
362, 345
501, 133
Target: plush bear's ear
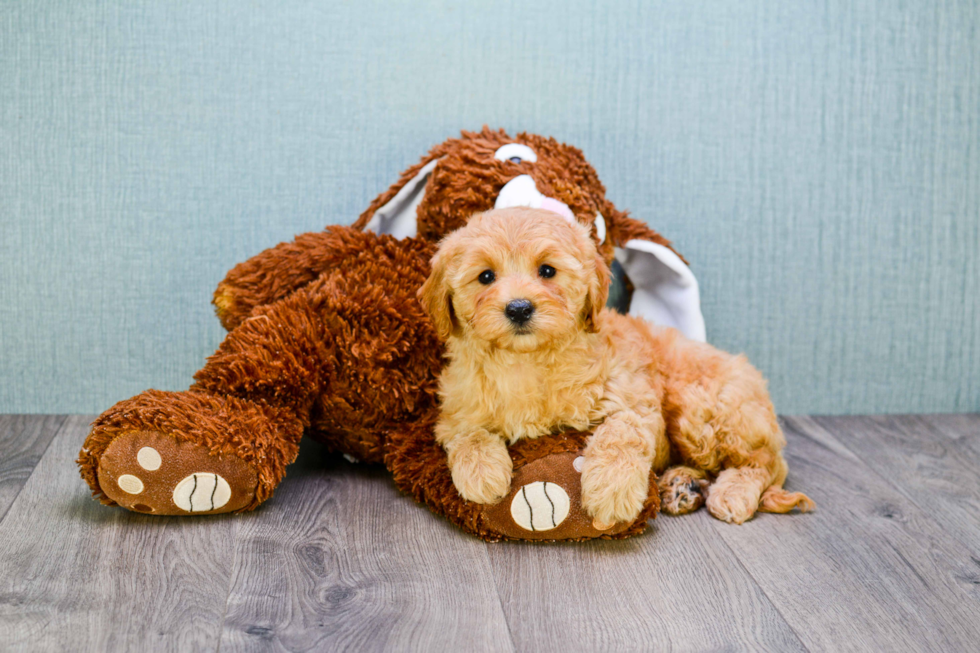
394, 211
665, 290
397, 216
436, 296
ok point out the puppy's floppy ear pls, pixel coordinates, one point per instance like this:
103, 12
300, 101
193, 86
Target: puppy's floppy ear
435, 294
595, 299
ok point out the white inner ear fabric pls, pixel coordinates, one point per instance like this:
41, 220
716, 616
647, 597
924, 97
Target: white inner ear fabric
398, 217
665, 290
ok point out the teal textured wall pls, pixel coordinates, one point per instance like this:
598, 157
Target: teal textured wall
818, 162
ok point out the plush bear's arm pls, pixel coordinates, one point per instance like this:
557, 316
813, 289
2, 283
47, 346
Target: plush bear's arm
281, 270
273, 274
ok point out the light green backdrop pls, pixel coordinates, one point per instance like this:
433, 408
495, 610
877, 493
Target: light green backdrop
818, 162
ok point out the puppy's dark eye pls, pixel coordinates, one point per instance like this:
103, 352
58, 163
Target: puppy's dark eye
546, 271
515, 159
486, 277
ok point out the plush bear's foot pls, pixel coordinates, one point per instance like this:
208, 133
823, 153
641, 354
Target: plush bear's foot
545, 503
183, 453
682, 490
151, 472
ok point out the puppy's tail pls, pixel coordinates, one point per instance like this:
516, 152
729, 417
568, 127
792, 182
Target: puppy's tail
776, 499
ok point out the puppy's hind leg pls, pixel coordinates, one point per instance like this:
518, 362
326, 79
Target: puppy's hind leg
739, 492
734, 496
682, 490
725, 423
776, 499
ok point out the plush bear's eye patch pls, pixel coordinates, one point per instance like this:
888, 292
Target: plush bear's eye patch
515, 153
486, 277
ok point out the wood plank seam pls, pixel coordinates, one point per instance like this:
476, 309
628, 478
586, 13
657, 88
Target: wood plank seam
220, 625
774, 604
927, 515
57, 432
870, 566
105, 579
500, 599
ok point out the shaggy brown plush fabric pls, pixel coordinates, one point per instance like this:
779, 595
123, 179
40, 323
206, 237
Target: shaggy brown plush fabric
326, 335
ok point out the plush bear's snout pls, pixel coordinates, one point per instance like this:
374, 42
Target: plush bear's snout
523, 191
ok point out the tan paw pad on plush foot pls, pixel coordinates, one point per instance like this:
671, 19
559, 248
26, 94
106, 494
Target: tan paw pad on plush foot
202, 492
151, 472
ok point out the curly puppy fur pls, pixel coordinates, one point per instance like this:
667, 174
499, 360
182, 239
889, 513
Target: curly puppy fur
649, 393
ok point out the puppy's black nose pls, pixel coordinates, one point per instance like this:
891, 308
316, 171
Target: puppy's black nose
519, 311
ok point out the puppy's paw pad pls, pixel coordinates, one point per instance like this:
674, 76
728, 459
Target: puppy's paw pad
682, 495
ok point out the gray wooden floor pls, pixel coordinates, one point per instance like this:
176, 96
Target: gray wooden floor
339, 560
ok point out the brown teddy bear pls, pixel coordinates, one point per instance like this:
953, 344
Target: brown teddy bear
327, 337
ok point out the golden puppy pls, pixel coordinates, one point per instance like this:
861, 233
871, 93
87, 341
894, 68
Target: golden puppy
519, 295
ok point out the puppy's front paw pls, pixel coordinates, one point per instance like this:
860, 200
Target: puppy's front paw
481, 471
614, 491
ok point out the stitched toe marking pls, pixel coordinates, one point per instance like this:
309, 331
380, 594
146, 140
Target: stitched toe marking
202, 492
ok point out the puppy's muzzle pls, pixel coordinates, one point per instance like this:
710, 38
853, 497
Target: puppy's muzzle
519, 311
